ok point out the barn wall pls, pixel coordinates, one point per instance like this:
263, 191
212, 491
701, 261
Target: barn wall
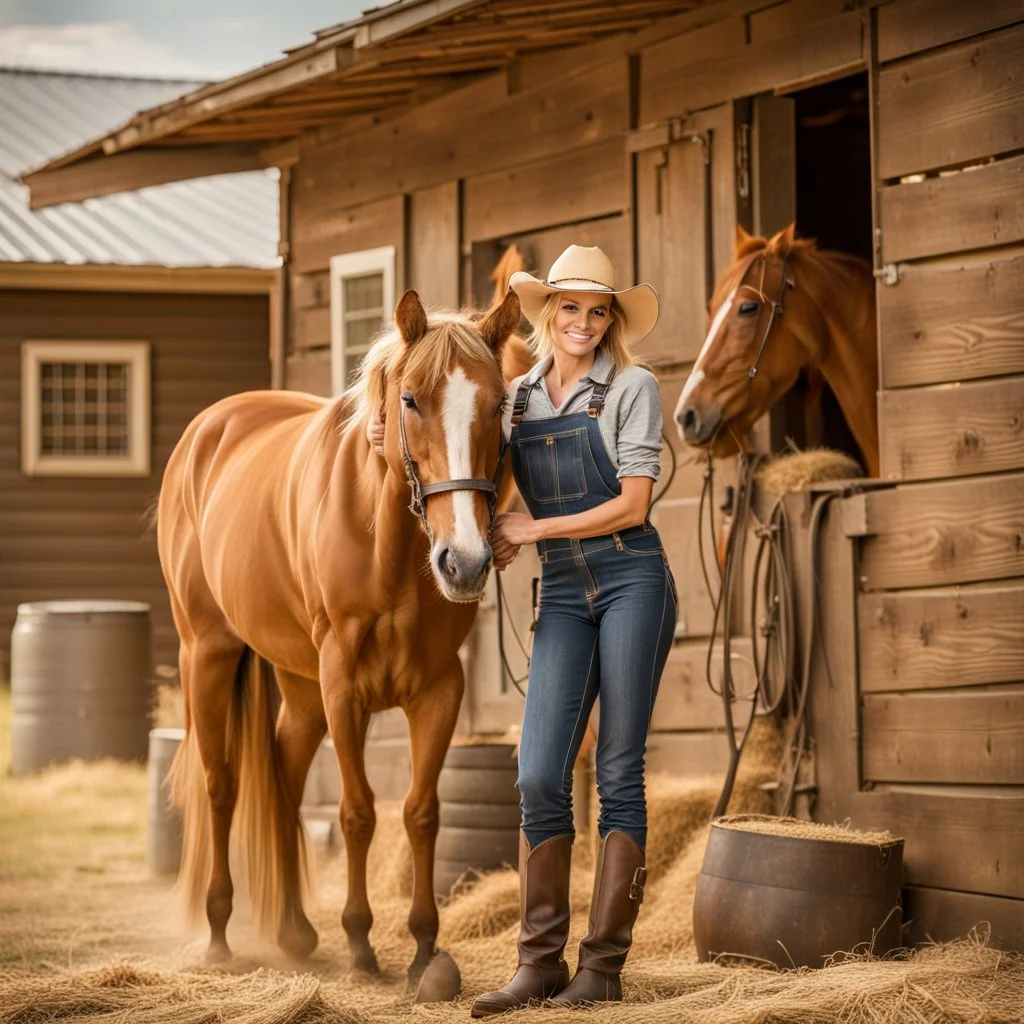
88, 538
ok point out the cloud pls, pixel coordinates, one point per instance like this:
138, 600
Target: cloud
112, 47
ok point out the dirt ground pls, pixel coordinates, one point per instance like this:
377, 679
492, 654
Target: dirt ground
87, 935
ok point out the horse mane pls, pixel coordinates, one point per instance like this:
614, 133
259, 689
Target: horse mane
450, 337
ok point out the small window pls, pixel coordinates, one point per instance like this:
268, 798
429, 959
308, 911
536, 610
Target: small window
362, 301
85, 408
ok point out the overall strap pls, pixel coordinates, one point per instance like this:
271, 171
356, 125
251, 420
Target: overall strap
598, 395
521, 400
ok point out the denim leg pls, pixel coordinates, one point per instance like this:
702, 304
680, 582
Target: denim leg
559, 698
636, 633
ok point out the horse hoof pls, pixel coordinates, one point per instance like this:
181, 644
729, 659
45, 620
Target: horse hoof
441, 980
218, 953
298, 939
365, 962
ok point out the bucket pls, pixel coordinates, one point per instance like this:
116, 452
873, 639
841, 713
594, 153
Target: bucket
479, 812
163, 840
80, 682
792, 893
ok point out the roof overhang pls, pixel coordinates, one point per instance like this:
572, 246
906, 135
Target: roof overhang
110, 277
350, 74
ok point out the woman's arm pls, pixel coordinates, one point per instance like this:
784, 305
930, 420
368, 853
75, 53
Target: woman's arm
620, 513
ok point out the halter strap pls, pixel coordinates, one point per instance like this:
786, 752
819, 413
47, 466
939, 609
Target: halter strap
774, 310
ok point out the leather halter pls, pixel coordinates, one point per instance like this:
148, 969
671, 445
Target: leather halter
421, 491
775, 310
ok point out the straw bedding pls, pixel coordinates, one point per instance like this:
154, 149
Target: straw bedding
959, 982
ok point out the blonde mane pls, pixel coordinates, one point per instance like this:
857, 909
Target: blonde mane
450, 337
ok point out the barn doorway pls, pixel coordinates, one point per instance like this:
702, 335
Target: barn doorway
831, 164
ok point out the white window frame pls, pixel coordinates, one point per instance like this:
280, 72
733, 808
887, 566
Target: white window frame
356, 264
137, 461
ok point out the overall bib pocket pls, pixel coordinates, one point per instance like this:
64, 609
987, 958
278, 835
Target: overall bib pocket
553, 465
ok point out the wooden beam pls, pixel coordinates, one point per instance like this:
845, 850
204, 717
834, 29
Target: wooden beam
913, 25
939, 915
104, 277
375, 30
100, 176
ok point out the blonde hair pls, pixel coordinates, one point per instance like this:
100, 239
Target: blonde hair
613, 343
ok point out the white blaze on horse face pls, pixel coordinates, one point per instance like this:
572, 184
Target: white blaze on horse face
697, 374
458, 416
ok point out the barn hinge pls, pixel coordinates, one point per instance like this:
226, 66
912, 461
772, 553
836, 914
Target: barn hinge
888, 274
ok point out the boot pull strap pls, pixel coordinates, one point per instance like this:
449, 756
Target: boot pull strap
636, 887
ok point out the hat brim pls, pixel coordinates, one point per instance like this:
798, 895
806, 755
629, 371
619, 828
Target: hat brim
639, 304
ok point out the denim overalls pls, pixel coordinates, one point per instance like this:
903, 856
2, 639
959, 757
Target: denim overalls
606, 621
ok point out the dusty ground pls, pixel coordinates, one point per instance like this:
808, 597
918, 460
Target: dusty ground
87, 935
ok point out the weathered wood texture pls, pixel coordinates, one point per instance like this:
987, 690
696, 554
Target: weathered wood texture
687, 753
955, 320
575, 185
542, 248
952, 429
88, 538
975, 737
685, 701
676, 521
972, 209
786, 18
718, 128
309, 371
951, 107
956, 531
717, 64
953, 840
909, 26
773, 163
942, 637
434, 245
938, 915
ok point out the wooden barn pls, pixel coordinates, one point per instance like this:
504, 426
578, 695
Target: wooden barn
416, 143
120, 318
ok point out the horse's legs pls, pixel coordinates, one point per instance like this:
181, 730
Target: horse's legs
212, 664
432, 717
300, 728
348, 722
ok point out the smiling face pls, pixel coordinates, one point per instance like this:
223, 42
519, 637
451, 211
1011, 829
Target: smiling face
580, 321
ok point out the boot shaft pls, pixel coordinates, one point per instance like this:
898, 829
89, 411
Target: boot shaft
544, 897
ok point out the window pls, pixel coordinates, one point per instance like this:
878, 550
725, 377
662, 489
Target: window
362, 301
85, 408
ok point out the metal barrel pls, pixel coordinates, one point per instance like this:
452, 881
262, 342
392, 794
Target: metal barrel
80, 682
794, 901
479, 812
163, 838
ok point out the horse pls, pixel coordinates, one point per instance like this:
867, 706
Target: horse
782, 307
290, 551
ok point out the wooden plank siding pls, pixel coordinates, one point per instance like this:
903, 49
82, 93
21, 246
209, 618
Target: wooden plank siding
908, 26
433, 233
975, 737
941, 637
948, 108
958, 319
676, 521
946, 430
939, 915
88, 538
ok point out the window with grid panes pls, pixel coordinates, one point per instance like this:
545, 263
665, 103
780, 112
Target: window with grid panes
362, 301
85, 408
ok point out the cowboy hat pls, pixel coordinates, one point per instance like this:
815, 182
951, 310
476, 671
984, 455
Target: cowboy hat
583, 268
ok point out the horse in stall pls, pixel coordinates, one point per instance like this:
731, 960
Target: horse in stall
287, 543
784, 306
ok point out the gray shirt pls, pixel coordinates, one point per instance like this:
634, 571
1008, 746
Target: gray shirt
630, 422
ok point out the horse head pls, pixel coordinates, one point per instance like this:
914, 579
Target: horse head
443, 398
762, 331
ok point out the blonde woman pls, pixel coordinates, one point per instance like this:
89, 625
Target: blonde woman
584, 428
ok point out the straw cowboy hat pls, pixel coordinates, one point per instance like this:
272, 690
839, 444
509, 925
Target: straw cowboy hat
583, 268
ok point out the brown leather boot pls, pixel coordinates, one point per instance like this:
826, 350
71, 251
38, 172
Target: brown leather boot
618, 892
544, 895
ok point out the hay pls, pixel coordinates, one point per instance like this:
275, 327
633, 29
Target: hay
796, 471
796, 828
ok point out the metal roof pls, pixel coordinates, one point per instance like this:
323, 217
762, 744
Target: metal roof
225, 221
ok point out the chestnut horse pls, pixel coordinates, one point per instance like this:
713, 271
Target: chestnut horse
286, 542
784, 306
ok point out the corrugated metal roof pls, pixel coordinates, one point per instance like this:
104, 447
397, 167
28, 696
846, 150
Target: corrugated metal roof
228, 220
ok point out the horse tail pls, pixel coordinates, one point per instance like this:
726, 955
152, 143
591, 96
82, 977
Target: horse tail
266, 819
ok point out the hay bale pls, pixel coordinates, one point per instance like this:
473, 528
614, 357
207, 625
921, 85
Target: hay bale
797, 828
796, 471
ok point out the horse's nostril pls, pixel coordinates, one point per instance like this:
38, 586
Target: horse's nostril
446, 562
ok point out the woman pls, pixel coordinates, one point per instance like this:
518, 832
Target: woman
585, 433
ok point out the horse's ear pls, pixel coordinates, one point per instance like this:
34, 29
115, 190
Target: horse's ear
742, 237
411, 317
501, 323
782, 241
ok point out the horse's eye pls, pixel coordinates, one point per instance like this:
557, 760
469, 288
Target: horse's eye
410, 400
749, 308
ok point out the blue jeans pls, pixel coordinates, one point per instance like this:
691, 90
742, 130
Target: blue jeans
605, 625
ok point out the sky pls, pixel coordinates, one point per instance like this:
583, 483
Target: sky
203, 39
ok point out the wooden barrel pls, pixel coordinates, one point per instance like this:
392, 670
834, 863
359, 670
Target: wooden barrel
163, 840
479, 812
792, 893
80, 682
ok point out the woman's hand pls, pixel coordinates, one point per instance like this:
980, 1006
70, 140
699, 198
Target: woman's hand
503, 552
375, 434
516, 528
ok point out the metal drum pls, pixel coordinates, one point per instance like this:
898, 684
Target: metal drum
792, 900
163, 840
479, 812
80, 682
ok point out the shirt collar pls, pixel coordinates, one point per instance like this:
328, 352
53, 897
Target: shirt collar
600, 371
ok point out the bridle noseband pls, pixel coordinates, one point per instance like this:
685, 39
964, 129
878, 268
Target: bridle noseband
421, 491
775, 310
